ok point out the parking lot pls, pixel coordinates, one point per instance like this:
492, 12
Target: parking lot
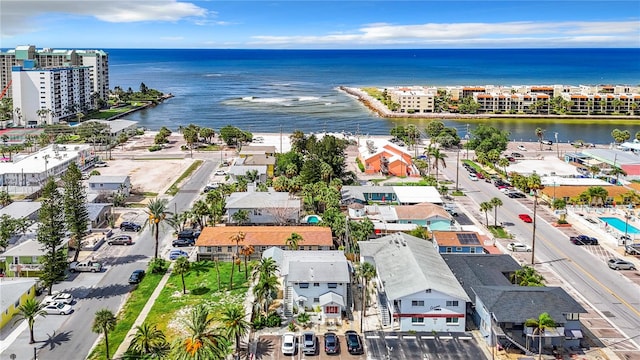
387, 346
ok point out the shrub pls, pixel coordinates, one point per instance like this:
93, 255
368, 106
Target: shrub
360, 165
158, 266
273, 320
259, 322
153, 148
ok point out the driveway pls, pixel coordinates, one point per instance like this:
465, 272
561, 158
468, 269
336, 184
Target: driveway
399, 346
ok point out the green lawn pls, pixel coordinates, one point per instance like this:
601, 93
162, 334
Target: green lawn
127, 316
202, 288
499, 232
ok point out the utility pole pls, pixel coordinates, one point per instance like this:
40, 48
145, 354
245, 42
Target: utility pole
457, 167
533, 241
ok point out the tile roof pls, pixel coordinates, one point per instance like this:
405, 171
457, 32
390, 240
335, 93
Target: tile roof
516, 304
408, 265
573, 191
421, 211
264, 235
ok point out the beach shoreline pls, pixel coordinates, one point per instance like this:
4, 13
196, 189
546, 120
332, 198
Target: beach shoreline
381, 110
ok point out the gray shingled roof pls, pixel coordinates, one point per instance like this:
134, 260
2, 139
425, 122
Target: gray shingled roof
516, 304
108, 179
475, 270
408, 265
94, 210
262, 200
21, 209
12, 290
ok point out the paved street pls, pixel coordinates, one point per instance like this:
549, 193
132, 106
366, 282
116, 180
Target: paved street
70, 337
583, 268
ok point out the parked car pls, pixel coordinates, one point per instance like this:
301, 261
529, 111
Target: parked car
309, 342
473, 177
517, 155
176, 253
129, 226
619, 264
85, 266
183, 242
120, 240
515, 246
516, 195
289, 343
546, 142
220, 172
522, 148
583, 240
354, 342
189, 234
136, 276
331, 344
100, 164
511, 159
526, 218
211, 186
60, 297
58, 308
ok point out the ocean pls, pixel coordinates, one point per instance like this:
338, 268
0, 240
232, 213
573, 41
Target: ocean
273, 90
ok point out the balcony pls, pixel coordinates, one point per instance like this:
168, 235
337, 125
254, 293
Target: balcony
25, 267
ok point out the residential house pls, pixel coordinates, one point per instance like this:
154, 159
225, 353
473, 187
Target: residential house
250, 150
259, 160
14, 293
109, 185
403, 195
24, 259
458, 242
408, 195
216, 242
416, 289
270, 207
22, 210
391, 218
98, 214
617, 194
500, 308
313, 280
238, 171
386, 158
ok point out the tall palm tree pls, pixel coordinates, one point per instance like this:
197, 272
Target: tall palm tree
203, 343
236, 326
485, 206
495, 203
246, 252
28, 311
503, 163
149, 340
104, 322
438, 158
544, 321
293, 241
540, 135
157, 212
267, 267
597, 195
265, 290
366, 272
182, 267
238, 238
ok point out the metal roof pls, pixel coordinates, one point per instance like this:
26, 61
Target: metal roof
21, 209
262, 200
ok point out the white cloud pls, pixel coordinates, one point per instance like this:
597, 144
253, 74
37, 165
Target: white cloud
17, 16
507, 34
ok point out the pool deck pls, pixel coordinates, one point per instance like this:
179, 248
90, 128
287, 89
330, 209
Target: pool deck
591, 217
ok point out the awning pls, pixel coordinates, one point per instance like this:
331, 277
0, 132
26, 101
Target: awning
573, 333
331, 298
301, 297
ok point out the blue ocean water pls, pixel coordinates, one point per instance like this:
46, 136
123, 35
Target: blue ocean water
266, 90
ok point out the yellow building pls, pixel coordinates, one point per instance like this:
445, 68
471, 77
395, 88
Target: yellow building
13, 293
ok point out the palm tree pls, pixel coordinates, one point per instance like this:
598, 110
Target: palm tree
438, 158
267, 267
294, 241
203, 343
238, 238
29, 311
544, 321
540, 135
265, 291
240, 217
157, 211
495, 203
104, 322
366, 272
246, 252
149, 340
485, 207
182, 267
560, 204
527, 276
617, 172
233, 319
597, 193
594, 170
503, 163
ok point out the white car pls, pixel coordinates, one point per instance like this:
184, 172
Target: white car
519, 247
473, 177
220, 172
58, 296
289, 342
58, 308
522, 148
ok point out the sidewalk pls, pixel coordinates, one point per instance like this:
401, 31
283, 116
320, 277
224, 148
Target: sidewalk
143, 314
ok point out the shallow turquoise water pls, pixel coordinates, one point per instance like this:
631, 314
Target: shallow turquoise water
621, 225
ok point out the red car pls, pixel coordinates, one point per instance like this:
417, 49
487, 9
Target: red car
525, 217
480, 176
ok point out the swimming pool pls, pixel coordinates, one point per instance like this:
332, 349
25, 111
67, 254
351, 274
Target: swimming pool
620, 225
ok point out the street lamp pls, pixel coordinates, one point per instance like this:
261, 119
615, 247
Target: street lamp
626, 231
557, 145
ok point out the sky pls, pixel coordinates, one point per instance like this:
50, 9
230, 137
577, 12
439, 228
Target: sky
302, 24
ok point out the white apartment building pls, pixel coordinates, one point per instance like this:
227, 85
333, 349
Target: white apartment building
417, 100
47, 95
97, 60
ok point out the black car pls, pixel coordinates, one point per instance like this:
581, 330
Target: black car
183, 242
354, 343
331, 344
136, 276
188, 234
130, 226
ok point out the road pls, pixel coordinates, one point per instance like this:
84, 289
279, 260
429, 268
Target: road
111, 290
616, 297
